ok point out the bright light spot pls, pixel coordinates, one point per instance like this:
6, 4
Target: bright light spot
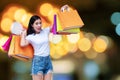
90, 36
91, 54
45, 9
63, 66
115, 18
19, 14
105, 38
99, 45
25, 19
55, 38
117, 29
53, 54
10, 12
84, 44
59, 50
73, 38
6, 24
51, 14
73, 48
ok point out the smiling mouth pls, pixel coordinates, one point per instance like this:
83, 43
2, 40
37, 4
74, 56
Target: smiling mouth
38, 28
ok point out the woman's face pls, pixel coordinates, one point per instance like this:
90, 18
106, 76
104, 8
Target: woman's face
37, 26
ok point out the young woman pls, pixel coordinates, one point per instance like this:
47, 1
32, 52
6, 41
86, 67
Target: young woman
36, 36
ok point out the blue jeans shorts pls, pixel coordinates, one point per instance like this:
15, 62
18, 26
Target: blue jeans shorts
41, 65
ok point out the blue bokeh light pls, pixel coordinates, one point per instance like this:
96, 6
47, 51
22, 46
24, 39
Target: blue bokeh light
115, 18
117, 29
91, 69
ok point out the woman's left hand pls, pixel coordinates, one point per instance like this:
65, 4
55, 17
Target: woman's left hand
65, 7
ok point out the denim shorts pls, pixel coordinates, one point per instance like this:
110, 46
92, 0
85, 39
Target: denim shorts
41, 65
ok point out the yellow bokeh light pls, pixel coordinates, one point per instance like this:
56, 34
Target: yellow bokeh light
84, 44
53, 54
25, 19
60, 49
72, 48
99, 45
45, 9
105, 38
73, 38
10, 12
51, 14
19, 14
89, 35
91, 54
6, 24
55, 38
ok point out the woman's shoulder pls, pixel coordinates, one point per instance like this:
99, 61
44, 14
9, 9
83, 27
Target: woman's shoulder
30, 35
47, 29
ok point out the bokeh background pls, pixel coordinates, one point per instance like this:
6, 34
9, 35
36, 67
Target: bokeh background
92, 54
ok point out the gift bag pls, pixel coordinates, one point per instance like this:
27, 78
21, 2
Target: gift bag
6, 45
57, 28
21, 53
70, 19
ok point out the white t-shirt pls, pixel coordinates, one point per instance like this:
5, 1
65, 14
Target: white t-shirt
40, 42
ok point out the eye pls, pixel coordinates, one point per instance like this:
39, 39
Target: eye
38, 23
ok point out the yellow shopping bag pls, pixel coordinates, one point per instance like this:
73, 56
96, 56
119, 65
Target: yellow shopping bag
70, 19
57, 28
60, 29
21, 53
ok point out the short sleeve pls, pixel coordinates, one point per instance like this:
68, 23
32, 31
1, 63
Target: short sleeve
47, 30
28, 38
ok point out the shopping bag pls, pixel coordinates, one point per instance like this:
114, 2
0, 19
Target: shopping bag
6, 45
54, 26
57, 28
70, 19
21, 53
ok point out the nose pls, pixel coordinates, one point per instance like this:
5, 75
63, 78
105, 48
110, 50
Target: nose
39, 24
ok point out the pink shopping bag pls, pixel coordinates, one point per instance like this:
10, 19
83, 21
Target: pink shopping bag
6, 45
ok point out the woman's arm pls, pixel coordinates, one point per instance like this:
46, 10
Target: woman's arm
23, 42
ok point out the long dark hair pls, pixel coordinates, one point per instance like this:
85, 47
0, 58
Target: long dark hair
30, 29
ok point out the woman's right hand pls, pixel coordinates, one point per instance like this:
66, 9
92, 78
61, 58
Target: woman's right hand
24, 42
24, 33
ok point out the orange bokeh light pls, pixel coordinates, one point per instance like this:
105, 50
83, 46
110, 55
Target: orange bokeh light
99, 45
6, 24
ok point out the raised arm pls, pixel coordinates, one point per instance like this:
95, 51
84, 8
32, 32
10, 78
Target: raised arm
23, 42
